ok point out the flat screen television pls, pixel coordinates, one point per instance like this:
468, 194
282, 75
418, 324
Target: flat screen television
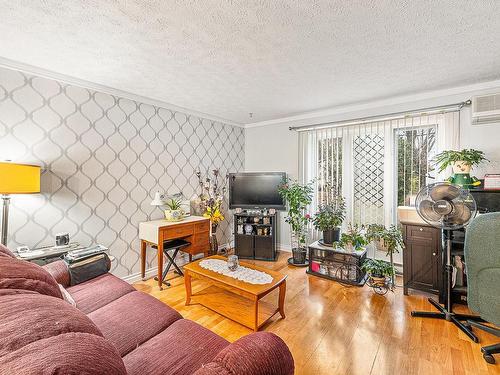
256, 190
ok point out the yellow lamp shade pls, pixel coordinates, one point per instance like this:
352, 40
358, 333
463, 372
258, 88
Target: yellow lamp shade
19, 178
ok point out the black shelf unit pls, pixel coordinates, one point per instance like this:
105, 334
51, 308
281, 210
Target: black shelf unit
261, 243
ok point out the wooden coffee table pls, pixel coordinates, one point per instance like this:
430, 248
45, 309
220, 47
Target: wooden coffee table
235, 299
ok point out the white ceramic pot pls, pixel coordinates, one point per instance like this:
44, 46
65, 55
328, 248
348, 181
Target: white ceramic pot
174, 215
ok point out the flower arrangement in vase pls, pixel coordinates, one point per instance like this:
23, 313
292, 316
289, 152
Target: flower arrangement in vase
213, 190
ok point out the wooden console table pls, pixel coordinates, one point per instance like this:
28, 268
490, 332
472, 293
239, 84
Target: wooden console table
194, 229
235, 299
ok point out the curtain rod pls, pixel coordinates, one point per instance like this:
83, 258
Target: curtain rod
387, 116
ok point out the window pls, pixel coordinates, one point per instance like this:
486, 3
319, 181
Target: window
375, 166
415, 149
329, 167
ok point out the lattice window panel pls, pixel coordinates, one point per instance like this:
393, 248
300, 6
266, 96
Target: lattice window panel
368, 166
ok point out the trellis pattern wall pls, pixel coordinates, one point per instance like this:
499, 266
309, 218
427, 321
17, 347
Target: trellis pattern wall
103, 158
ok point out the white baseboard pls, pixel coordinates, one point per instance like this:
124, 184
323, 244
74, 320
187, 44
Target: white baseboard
151, 272
284, 247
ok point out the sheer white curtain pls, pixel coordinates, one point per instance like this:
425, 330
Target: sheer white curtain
376, 165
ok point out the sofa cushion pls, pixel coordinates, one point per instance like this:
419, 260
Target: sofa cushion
98, 292
59, 271
20, 274
133, 319
69, 353
4, 251
254, 354
28, 317
182, 348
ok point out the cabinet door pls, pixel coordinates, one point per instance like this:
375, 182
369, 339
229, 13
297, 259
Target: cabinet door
264, 247
244, 245
422, 267
422, 264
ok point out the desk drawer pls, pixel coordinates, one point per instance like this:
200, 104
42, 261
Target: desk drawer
178, 231
421, 233
204, 226
201, 243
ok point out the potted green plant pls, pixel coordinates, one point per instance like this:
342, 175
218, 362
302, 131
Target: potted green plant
378, 270
297, 197
385, 239
353, 239
174, 212
461, 163
329, 218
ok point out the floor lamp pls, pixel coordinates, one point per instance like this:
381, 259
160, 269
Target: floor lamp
16, 179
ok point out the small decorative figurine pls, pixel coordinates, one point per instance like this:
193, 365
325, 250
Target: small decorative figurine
461, 163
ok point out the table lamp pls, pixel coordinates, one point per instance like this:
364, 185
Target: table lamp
158, 201
16, 179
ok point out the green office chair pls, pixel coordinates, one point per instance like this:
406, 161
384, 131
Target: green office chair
482, 259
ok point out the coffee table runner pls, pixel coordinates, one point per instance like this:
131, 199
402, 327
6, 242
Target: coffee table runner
242, 273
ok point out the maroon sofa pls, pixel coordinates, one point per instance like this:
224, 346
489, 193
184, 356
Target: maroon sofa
114, 329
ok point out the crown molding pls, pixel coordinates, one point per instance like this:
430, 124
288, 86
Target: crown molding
45, 73
403, 99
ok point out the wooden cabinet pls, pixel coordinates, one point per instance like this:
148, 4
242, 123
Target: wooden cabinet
255, 235
244, 245
263, 246
422, 268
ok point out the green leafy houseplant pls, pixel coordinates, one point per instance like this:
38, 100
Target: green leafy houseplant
329, 218
173, 204
297, 197
378, 268
174, 212
390, 238
469, 157
353, 238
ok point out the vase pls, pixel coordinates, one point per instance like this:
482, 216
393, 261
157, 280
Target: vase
232, 262
299, 248
377, 280
174, 215
330, 236
197, 205
214, 245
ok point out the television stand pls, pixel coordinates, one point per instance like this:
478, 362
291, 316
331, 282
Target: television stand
255, 235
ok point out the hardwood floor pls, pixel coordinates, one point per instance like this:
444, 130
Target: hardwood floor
332, 329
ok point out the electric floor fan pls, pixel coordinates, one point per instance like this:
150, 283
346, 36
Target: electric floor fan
447, 207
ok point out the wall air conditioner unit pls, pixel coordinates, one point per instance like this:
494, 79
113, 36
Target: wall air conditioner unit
486, 109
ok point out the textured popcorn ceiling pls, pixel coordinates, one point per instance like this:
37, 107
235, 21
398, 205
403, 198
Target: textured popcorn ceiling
274, 58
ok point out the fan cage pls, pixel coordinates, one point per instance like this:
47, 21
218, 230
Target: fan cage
461, 198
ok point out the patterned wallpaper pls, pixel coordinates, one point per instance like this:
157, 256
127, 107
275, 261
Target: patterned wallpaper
103, 158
